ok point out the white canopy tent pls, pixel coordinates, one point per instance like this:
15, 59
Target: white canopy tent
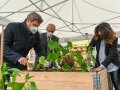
71, 17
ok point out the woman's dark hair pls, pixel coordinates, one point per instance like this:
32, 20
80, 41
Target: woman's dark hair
106, 31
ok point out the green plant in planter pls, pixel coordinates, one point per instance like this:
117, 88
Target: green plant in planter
13, 73
66, 57
90, 56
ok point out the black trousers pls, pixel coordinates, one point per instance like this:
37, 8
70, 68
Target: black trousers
115, 77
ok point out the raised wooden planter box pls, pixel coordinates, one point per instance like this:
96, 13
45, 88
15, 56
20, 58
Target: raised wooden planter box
69, 80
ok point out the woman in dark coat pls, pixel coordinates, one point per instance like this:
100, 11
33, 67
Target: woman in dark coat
107, 56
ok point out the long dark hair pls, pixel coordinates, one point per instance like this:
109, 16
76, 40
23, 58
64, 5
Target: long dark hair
107, 33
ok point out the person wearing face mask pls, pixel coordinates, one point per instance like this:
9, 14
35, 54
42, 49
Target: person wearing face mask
107, 56
48, 35
20, 38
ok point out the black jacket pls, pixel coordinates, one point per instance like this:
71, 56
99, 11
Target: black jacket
110, 51
17, 43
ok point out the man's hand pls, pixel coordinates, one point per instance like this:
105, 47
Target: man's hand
22, 61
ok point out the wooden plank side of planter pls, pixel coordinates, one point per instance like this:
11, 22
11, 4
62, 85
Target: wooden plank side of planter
104, 80
50, 85
65, 80
61, 80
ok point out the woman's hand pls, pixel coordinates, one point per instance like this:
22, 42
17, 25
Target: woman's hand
98, 69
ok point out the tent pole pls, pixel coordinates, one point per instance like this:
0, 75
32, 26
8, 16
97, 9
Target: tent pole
2, 46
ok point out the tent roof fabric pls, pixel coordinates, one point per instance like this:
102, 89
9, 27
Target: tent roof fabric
71, 17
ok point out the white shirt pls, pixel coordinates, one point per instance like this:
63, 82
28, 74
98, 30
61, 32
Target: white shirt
102, 56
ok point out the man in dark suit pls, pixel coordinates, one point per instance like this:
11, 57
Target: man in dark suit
48, 35
19, 38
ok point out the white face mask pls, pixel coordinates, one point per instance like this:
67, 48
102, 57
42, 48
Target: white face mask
49, 34
33, 29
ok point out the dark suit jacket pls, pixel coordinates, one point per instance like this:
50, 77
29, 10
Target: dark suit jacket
44, 42
44, 45
110, 51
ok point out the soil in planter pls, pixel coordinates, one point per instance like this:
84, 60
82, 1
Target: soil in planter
46, 69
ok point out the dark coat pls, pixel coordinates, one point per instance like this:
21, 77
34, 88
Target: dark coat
110, 51
17, 43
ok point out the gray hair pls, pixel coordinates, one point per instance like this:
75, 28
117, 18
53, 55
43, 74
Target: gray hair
34, 17
51, 26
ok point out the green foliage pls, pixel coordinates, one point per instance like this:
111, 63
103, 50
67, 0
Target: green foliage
84, 66
32, 86
90, 50
66, 67
13, 72
93, 59
3, 72
64, 50
16, 85
4, 68
79, 57
21, 86
58, 52
69, 44
52, 45
27, 77
42, 60
55, 54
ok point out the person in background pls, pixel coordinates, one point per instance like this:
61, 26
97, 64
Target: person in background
107, 57
19, 38
45, 37
118, 48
